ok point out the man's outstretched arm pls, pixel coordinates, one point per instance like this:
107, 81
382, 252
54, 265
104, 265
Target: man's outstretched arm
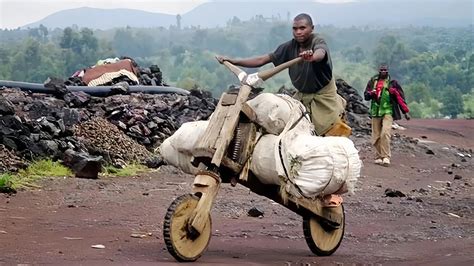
313, 56
256, 61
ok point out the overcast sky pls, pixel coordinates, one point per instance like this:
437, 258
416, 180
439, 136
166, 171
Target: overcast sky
16, 13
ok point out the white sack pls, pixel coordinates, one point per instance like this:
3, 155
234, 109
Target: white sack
263, 161
321, 165
283, 111
176, 149
315, 165
273, 111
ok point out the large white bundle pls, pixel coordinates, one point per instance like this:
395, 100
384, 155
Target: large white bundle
263, 162
321, 165
311, 165
347, 162
176, 149
314, 165
273, 111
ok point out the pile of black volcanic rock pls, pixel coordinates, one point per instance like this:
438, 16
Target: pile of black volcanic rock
118, 127
356, 110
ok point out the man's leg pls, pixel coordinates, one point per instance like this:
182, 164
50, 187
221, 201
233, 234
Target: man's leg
376, 131
385, 138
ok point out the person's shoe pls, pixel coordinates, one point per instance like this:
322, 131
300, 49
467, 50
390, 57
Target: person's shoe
386, 161
378, 161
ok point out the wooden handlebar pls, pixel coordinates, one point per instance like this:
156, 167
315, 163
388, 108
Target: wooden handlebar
234, 69
268, 73
265, 74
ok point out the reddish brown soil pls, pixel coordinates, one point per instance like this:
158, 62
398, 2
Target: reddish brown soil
459, 133
433, 225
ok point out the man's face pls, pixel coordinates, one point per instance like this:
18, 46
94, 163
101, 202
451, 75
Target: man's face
302, 30
383, 72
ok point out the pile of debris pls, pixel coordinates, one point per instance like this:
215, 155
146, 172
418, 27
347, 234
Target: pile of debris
101, 137
117, 70
356, 110
9, 162
118, 128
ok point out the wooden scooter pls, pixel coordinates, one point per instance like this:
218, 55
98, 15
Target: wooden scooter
223, 155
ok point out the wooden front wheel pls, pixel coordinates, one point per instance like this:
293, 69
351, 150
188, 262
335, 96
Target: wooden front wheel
322, 237
181, 242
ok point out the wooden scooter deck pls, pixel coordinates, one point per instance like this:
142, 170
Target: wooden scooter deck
303, 206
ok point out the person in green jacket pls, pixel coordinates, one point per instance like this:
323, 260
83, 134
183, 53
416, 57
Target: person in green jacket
313, 77
387, 99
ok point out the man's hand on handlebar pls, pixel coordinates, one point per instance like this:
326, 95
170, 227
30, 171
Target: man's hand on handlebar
222, 58
307, 55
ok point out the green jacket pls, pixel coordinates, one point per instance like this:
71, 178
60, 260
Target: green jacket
382, 105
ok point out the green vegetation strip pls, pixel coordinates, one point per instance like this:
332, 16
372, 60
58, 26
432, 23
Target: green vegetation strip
28, 177
129, 170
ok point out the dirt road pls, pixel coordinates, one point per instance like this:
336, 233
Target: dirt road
432, 225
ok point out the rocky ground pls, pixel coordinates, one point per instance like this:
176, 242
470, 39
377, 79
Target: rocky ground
432, 224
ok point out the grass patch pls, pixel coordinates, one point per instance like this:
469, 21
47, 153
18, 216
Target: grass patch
45, 168
6, 184
28, 177
129, 170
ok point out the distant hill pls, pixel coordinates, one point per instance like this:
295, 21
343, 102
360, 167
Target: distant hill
97, 18
383, 13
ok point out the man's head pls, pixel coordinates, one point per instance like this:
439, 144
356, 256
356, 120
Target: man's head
383, 70
302, 27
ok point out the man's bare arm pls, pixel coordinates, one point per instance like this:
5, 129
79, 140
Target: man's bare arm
313, 56
257, 61
319, 55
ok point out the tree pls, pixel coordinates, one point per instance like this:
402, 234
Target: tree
26, 59
355, 54
392, 52
452, 102
416, 110
67, 38
80, 49
235, 21
200, 38
417, 92
88, 41
44, 32
121, 41
468, 100
178, 21
5, 63
278, 34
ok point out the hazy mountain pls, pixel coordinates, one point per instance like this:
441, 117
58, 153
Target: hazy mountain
97, 18
385, 13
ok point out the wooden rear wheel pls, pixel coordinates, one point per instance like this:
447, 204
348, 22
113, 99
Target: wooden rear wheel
181, 242
323, 237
